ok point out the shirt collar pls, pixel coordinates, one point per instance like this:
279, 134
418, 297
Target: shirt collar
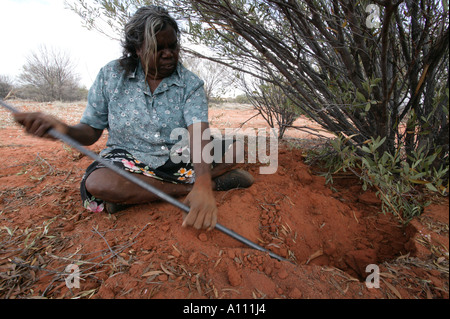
174, 79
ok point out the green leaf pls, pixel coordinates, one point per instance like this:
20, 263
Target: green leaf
431, 187
365, 149
406, 168
360, 96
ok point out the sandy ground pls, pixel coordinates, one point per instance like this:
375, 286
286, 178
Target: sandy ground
329, 238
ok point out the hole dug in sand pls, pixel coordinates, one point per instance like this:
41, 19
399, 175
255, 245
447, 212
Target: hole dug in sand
293, 214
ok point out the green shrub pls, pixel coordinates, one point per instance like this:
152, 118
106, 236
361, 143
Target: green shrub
402, 182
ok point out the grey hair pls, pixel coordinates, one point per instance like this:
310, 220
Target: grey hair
140, 34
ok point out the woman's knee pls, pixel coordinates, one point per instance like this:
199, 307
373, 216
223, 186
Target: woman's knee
104, 185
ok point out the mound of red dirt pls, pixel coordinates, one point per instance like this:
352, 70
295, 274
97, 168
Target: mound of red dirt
328, 237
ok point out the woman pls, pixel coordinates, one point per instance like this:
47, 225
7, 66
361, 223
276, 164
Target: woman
140, 99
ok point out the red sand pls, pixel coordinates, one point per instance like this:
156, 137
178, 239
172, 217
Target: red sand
143, 252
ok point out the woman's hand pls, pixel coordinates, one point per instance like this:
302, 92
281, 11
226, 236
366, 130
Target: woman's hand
39, 124
201, 200
203, 208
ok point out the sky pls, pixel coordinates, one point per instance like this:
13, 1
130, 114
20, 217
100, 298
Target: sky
27, 24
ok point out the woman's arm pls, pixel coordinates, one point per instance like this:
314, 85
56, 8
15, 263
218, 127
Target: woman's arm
201, 200
38, 124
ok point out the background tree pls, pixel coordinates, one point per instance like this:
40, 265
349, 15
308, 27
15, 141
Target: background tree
49, 75
349, 74
272, 104
6, 85
219, 79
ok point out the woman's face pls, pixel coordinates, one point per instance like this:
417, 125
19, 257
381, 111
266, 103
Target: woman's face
165, 62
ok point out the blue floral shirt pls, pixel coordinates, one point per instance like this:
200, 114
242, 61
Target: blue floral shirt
140, 121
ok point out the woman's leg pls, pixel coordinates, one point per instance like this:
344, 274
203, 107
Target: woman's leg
104, 184
231, 157
111, 187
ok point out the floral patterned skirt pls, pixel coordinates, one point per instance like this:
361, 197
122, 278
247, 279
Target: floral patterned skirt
182, 173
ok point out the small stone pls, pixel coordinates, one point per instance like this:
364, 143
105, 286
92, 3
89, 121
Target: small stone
234, 277
282, 274
203, 237
192, 258
295, 293
176, 253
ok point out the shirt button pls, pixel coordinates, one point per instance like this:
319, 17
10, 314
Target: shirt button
163, 147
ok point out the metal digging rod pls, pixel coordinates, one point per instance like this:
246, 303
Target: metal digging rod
71, 142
